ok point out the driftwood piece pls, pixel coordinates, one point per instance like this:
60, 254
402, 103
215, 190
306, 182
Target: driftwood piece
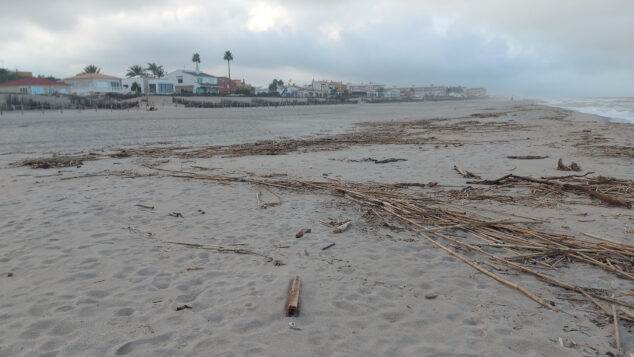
573, 166
293, 298
341, 228
465, 173
302, 232
565, 186
408, 184
527, 157
144, 206
328, 246
617, 337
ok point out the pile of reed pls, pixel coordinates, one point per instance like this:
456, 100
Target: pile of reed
504, 243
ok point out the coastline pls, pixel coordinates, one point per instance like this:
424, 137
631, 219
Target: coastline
94, 272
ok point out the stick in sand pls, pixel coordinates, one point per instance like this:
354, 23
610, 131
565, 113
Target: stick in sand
293, 297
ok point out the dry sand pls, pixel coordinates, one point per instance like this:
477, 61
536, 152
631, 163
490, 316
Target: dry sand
93, 274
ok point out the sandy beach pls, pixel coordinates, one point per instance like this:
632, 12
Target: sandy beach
173, 233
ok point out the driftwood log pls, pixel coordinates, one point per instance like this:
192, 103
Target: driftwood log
293, 297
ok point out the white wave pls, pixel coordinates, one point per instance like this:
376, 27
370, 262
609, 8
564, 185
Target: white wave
617, 109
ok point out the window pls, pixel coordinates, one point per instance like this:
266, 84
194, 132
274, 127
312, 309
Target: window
24, 90
179, 79
166, 88
152, 88
115, 85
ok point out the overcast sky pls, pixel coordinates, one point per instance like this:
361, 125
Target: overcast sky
538, 48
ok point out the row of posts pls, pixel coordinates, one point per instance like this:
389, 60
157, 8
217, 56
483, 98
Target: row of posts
79, 108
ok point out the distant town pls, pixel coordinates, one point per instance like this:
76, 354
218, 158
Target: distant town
154, 80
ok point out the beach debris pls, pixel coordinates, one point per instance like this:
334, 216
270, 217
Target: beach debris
176, 214
302, 232
573, 166
408, 184
430, 297
194, 268
293, 297
328, 246
527, 157
221, 249
464, 173
183, 307
432, 184
342, 227
55, 161
263, 204
144, 206
10, 274
385, 161
201, 211
488, 115
617, 336
293, 326
510, 178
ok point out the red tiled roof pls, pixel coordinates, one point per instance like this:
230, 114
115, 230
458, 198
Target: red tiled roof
32, 82
92, 76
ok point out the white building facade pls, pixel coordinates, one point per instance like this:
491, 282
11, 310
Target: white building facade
196, 82
149, 85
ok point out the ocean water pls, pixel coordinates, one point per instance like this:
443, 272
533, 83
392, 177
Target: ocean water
617, 109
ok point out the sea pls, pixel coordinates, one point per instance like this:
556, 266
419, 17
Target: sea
617, 109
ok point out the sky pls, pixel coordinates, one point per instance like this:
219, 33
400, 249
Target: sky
536, 48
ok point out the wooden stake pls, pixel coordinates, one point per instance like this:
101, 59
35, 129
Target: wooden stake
0, 108
110, 107
293, 297
42, 106
22, 108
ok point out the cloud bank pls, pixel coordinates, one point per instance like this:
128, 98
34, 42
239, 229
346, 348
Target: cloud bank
535, 48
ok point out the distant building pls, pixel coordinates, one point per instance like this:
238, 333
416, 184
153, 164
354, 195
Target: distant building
149, 85
37, 86
430, 91
195, 82
94, 83
476, 92
235, 85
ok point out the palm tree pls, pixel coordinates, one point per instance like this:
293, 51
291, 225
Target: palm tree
196, 59
156, 70
229, 57
135, 70
91, 68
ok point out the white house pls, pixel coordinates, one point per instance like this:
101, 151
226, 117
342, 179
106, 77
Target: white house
94, 83
196, 82
149, 85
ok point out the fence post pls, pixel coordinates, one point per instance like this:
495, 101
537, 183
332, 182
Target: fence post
61, 108
21, 108
0, 108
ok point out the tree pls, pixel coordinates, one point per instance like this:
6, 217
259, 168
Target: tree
196, 58
50, 78
135, 70
91, 68
228, 57
274, 85
156, 70
136, 88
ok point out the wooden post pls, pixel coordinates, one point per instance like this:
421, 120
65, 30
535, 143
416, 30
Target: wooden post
42, 106
61, 108
293, 297
21, 108
95, 107
110, 107
0, 108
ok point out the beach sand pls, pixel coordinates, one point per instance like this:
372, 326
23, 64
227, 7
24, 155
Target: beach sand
94, 274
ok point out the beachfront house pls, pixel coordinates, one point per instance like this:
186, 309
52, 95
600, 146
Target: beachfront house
149, 85
195, 82
36, 86
475, 92
94, 83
